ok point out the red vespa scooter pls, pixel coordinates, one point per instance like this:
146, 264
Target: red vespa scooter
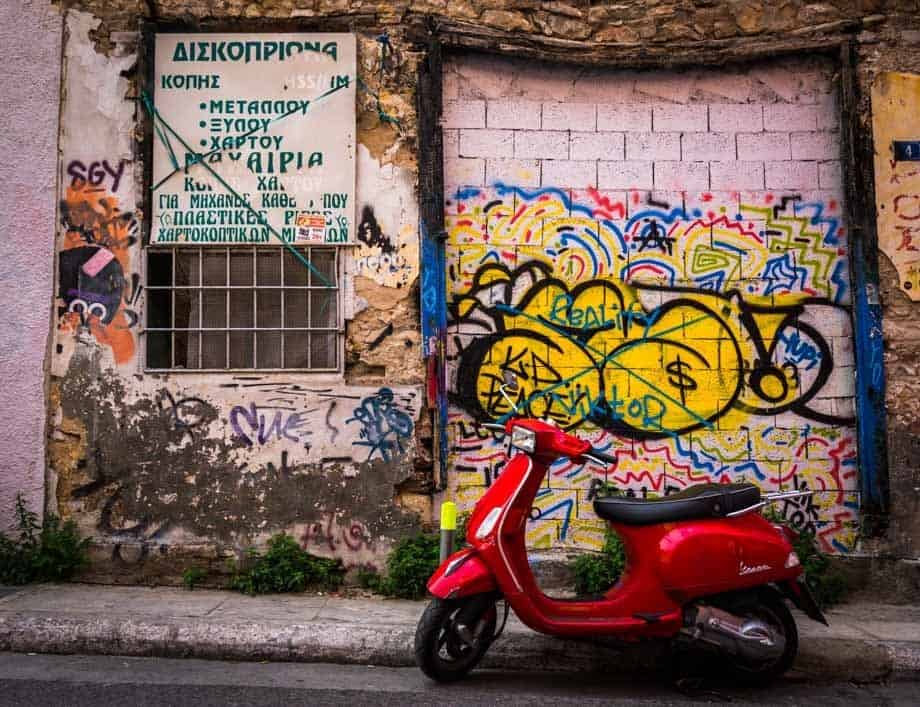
703, 568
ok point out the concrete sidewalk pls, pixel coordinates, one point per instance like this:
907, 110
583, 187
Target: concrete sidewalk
864, 643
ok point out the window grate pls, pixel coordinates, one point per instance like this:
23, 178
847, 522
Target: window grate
216, 308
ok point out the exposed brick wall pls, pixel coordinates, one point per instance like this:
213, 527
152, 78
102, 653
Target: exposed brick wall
771, 128
717, 187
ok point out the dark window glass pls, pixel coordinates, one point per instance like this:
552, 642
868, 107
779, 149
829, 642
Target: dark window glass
242, 308
268, 345
159, 269
159, 349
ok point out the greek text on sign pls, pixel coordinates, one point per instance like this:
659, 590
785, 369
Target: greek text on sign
255, 139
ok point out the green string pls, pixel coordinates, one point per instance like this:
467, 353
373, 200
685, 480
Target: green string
168, 145
156, 116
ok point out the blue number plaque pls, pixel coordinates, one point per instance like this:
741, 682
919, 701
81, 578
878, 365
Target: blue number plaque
907, 150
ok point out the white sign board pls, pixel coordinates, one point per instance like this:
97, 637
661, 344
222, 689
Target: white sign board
254, 138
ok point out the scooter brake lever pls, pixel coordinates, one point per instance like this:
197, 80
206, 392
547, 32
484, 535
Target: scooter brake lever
590, 457
492, 426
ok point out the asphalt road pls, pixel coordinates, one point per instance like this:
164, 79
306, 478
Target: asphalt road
35, 680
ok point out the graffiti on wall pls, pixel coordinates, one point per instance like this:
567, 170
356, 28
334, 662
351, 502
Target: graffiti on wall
695, 345
94, 281
595, 354
238, 461
385, 425
897, 176
380, 258
262, 424
386, 238
338, 537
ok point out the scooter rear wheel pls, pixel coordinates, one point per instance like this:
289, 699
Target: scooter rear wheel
453, 635
692, 664
766, 605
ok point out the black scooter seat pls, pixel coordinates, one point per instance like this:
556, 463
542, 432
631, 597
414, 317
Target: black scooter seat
700, 501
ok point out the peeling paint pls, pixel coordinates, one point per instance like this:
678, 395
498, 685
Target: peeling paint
161, 466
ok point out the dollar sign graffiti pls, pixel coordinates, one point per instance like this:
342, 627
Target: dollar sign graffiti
679, 379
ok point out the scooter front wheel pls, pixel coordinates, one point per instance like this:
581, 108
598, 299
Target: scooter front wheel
453, 635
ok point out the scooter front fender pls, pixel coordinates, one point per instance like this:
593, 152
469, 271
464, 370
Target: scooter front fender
462, 574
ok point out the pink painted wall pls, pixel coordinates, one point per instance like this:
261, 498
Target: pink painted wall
30, 84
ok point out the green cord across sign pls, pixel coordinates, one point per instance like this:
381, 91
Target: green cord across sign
160, 123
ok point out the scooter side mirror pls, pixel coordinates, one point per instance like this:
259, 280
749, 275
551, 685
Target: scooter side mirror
509, 383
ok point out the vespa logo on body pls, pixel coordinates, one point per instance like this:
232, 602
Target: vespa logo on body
743, 569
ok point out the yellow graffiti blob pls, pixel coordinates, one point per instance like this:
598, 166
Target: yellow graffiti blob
639, 360
594, 354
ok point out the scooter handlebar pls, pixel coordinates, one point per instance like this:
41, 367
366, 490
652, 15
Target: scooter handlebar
595, 455
598, 457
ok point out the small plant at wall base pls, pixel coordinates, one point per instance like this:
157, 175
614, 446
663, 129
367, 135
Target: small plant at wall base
52, 552
369, 578
595, 573
411, 563
193, 576
825, 581
286, 567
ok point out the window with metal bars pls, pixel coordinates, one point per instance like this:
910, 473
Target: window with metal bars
215, 308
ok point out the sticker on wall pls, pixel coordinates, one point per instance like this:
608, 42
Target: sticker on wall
254, 139
896, 131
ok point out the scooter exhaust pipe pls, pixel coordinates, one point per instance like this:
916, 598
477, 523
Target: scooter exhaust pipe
752, 639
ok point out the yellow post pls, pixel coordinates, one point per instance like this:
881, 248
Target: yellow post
448, 515
448, 526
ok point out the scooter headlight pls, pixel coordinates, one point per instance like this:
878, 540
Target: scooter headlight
524, 439
488, 523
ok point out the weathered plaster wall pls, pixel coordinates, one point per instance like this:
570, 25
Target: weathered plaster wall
167, 469
894, 48
30, 86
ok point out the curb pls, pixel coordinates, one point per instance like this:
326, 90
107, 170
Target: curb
853, 660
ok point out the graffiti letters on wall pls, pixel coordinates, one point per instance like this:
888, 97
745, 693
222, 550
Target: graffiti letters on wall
95, 288
696, 345
320, 462
897, 181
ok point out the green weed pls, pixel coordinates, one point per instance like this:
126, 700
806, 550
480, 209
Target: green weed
595, 573
285, 567
409, 566
411, 563
52, 552
825, 581
193, 576
369, 578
